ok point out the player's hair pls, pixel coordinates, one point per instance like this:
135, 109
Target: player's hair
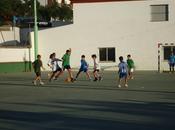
128, 55
67, 51
38, 56
83, 56
50, 56
121, 58
94, 56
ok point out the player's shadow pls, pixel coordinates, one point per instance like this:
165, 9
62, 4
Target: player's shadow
100, 86
90, 115
90, 86
15, 84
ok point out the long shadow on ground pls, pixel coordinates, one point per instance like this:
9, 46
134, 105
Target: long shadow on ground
91, 115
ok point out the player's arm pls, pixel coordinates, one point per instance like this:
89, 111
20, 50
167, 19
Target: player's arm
63, 58
42, 66
133, 64
118, 68
87, 65
33, 64
70, 50
95, 64
169, 60
49, 64
56, 59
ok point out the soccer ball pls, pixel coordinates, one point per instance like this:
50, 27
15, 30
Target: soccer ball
68, 79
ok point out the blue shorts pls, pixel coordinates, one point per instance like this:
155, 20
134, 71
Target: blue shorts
172, 64
83, 69
123, 75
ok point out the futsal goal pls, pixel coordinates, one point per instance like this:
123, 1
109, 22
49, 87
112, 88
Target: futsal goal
164, 52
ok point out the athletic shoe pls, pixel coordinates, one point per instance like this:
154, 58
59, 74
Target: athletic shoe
72, 80
34, 82
95, 79
55, 78
41, 83
126, 85
100, 79
119, 86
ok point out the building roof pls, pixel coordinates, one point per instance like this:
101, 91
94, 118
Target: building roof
92, 1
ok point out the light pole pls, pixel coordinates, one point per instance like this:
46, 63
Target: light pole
35, 31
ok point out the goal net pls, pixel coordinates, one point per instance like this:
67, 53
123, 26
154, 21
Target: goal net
164, 52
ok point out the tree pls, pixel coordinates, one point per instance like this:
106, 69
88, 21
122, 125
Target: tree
44, 13
24, 8
9, 8
28, 7
56, 11
50, 11
66, 13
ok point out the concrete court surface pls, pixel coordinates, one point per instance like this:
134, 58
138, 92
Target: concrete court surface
147, 104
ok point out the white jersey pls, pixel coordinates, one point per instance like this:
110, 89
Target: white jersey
54, 64
49, 63
96, 65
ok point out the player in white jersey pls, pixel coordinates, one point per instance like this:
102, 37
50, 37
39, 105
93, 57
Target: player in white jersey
96, 71
56, 69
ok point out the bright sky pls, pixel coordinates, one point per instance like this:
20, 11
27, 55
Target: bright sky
68, 1
43, 2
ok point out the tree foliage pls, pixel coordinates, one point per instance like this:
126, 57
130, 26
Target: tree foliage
24, 8
9, 8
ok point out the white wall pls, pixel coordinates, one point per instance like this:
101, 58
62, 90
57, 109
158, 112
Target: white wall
14, 54
124, 25
13, 34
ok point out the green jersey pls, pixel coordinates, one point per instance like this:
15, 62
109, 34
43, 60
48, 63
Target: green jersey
130, 63
37, 64
66, 59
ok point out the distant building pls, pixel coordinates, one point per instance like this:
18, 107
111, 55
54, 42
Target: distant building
109, 28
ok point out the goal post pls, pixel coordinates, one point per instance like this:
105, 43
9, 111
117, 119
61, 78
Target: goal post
164, 51
159, 55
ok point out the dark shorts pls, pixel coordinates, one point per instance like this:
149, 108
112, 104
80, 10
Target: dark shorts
58, 70
96, 70
38, 74
83, 70
66, 67
123, 75
172, 64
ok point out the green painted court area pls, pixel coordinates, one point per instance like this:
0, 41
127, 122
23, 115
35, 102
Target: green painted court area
148, 103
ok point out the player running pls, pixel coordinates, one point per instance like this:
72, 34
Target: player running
123, 70
37, 65
83, 68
